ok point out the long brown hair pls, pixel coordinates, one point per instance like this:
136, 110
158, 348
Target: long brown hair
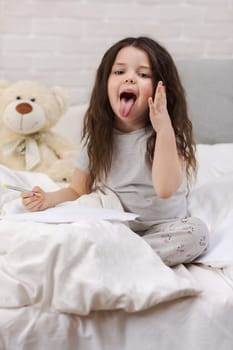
99, 118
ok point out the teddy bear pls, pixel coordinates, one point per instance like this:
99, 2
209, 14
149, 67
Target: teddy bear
28, 112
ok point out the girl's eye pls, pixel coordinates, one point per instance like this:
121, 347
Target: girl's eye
18, 98
144, 75
33, 99
118, 72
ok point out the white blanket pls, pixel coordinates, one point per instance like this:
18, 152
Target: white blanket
80, 266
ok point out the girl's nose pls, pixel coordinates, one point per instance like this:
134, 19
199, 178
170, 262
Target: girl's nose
130, 81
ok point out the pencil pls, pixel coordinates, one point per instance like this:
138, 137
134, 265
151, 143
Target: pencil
20, 189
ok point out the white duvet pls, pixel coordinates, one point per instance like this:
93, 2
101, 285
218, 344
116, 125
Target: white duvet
81, 266
101, 264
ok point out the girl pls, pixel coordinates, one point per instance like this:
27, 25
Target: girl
137, 141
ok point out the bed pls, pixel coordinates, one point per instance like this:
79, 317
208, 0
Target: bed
75, 285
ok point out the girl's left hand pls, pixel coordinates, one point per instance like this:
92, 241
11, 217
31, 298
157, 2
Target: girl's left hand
36, 200
158, 112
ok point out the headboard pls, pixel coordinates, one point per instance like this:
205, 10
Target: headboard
209, 90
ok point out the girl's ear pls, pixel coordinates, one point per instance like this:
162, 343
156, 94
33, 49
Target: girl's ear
61, 98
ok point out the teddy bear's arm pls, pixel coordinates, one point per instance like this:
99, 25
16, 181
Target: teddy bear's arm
60, 146
65, 152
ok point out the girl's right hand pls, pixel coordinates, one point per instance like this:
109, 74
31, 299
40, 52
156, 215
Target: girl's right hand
158, 112
36, 200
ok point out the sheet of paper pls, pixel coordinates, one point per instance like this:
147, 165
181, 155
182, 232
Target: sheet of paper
72, 212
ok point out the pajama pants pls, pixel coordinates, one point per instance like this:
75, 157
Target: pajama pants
178, 241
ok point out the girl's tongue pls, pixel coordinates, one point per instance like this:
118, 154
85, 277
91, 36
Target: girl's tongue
127, 101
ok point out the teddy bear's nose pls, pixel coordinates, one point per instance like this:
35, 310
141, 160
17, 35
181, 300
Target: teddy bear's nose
23, 108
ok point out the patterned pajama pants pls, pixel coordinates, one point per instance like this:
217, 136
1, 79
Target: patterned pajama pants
179, 241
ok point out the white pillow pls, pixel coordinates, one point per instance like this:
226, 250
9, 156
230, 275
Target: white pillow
213, 162
220, 252
211, 199
213, 203
71, 123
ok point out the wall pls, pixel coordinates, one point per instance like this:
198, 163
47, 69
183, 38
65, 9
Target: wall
61, 42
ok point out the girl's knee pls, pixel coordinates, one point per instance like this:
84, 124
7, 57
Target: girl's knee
200, 233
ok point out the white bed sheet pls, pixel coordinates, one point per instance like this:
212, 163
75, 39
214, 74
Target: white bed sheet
199, 323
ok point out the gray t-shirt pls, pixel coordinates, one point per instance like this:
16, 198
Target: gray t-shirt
130, 178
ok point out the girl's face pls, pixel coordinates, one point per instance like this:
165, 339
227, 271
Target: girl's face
130, 84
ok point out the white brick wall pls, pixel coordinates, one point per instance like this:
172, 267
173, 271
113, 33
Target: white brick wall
61, 42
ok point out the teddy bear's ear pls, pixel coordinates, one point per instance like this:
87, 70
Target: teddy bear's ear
3, 85
61, 98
